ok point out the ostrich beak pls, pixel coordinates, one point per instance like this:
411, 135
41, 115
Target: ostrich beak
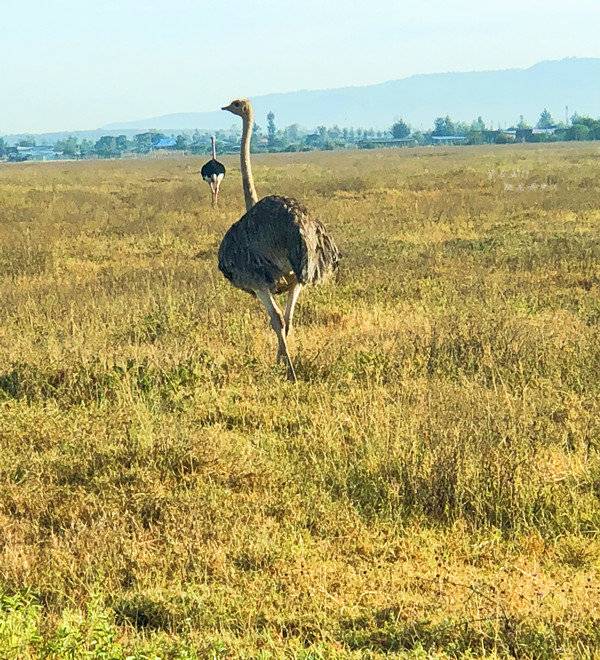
227, 107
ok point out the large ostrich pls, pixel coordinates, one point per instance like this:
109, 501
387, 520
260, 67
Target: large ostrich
276, 246
213, 173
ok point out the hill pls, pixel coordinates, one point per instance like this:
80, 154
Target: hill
498, 96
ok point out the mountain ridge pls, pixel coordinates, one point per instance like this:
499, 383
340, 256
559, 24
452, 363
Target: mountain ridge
499, 96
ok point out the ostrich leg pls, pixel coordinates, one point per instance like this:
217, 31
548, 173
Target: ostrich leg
289, 308
278, 324
214, 189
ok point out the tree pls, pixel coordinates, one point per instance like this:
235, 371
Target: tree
400, 129
3, 148
545, 120
578, 132
256, 135
182, 142
68, 146
106, 147
122, 143
475, 136
292, 133
143, 142
444, 126
592, 124
522, 125
109, 146
86, 148
271, 130
478, 126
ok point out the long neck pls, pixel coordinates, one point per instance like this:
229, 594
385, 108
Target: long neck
250, 195
214, 148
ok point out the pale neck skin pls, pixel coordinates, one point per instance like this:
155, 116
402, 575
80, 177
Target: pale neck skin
214, 148
250, 195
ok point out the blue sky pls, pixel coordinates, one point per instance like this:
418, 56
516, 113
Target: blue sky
79, 64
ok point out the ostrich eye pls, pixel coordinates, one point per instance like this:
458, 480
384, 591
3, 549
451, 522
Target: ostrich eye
236, 104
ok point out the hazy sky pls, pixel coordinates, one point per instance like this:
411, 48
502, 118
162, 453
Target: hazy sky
79, 64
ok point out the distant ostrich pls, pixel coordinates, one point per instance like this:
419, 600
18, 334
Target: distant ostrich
213, 173
276, 246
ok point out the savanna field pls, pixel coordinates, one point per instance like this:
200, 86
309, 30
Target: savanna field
429, 488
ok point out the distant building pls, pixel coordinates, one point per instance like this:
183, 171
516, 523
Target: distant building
387, 142
166, 143
448, 139
551, 130
40, 152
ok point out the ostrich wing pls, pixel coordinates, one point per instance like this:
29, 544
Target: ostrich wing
277, 239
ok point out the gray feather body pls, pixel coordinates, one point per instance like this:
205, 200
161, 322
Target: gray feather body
276, 244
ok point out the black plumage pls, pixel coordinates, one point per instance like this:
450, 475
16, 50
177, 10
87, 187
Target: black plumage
213, 173
212, 170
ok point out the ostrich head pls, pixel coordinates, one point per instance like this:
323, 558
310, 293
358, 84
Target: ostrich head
239, 107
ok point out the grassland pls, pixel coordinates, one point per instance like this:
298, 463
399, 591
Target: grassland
431, 486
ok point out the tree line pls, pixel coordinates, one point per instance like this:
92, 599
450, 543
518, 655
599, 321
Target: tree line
295, 138
546, 129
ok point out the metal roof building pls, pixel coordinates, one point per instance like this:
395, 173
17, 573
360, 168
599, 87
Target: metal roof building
165, 143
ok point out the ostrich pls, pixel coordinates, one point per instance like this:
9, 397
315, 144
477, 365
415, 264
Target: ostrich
277, 246
213, 173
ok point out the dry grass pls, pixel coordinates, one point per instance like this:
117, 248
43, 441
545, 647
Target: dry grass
430, 487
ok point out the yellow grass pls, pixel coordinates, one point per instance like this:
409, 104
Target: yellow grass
431, 485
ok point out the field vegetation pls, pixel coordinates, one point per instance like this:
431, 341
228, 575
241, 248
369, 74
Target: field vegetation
430, 487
